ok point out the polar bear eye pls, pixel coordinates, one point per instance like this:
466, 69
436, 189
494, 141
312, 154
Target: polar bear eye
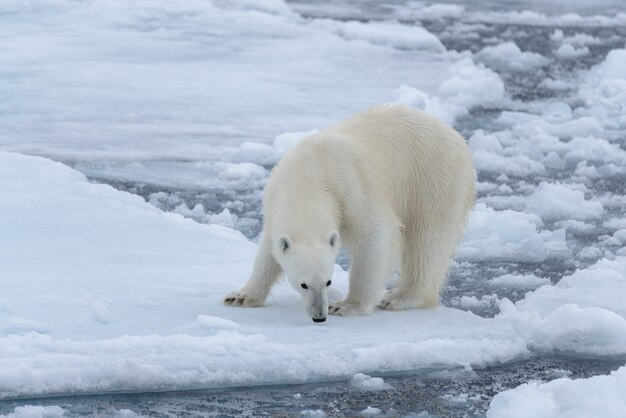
304, 286
328, 283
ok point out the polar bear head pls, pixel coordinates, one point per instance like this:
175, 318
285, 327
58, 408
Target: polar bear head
309, 265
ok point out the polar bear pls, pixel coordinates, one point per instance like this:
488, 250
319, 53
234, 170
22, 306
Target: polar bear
393, 185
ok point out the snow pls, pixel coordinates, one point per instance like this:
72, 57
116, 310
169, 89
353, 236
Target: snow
557, 201
364, 382
583, 313
30, 411
370, 411
386, 33
519, 281
509, 235
168, 329
467, 86
103, 292
604, 90
568, 51
603, 396
509, 56
313, 413
153, 86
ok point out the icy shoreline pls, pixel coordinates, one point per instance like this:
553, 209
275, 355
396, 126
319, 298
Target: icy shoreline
137, 307
101, 291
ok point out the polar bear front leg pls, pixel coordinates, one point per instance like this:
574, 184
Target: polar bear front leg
367, 278
265, 273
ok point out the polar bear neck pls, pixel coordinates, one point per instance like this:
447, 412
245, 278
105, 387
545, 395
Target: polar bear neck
301, 198
306, 220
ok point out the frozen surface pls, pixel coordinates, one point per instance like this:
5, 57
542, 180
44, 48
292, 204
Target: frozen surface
137, 306
181, 80
189, 105
598, 396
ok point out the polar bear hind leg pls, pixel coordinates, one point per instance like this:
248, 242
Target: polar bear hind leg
428, 251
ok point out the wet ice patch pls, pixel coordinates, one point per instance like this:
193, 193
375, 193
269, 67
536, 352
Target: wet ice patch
313, 413
472, 302
615, 223
578, 227
455, 399
517, 281
465, 373
364, 382
590, 254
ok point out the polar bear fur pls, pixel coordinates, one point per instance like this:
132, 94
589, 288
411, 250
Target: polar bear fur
393, 184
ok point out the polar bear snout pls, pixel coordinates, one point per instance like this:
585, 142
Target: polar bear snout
317, 306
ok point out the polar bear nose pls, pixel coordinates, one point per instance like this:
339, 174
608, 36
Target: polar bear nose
319, 319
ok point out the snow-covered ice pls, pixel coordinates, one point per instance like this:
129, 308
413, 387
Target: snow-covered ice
104, 291
364, 382
88, 326
598, 396
509, 56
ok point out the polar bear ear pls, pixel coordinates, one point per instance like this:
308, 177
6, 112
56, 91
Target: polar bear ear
333, 239
284, 243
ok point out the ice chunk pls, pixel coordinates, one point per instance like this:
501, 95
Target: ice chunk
620, 235
285, 141
388, 33
364, 382
313, 413
527, 281
509, 235
598, 396
508, 56
32, 411
557, 201
568, 51
604, 89
583, 313
370, 411
471, 85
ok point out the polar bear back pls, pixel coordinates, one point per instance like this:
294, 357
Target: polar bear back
386, 162
421, 164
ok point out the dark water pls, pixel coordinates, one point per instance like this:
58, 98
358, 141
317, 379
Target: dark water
435, 393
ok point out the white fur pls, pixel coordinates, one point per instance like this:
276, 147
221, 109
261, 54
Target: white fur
395, 183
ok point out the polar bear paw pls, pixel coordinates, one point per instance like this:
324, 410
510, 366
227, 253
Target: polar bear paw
346, 308
397, 302
244, 299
